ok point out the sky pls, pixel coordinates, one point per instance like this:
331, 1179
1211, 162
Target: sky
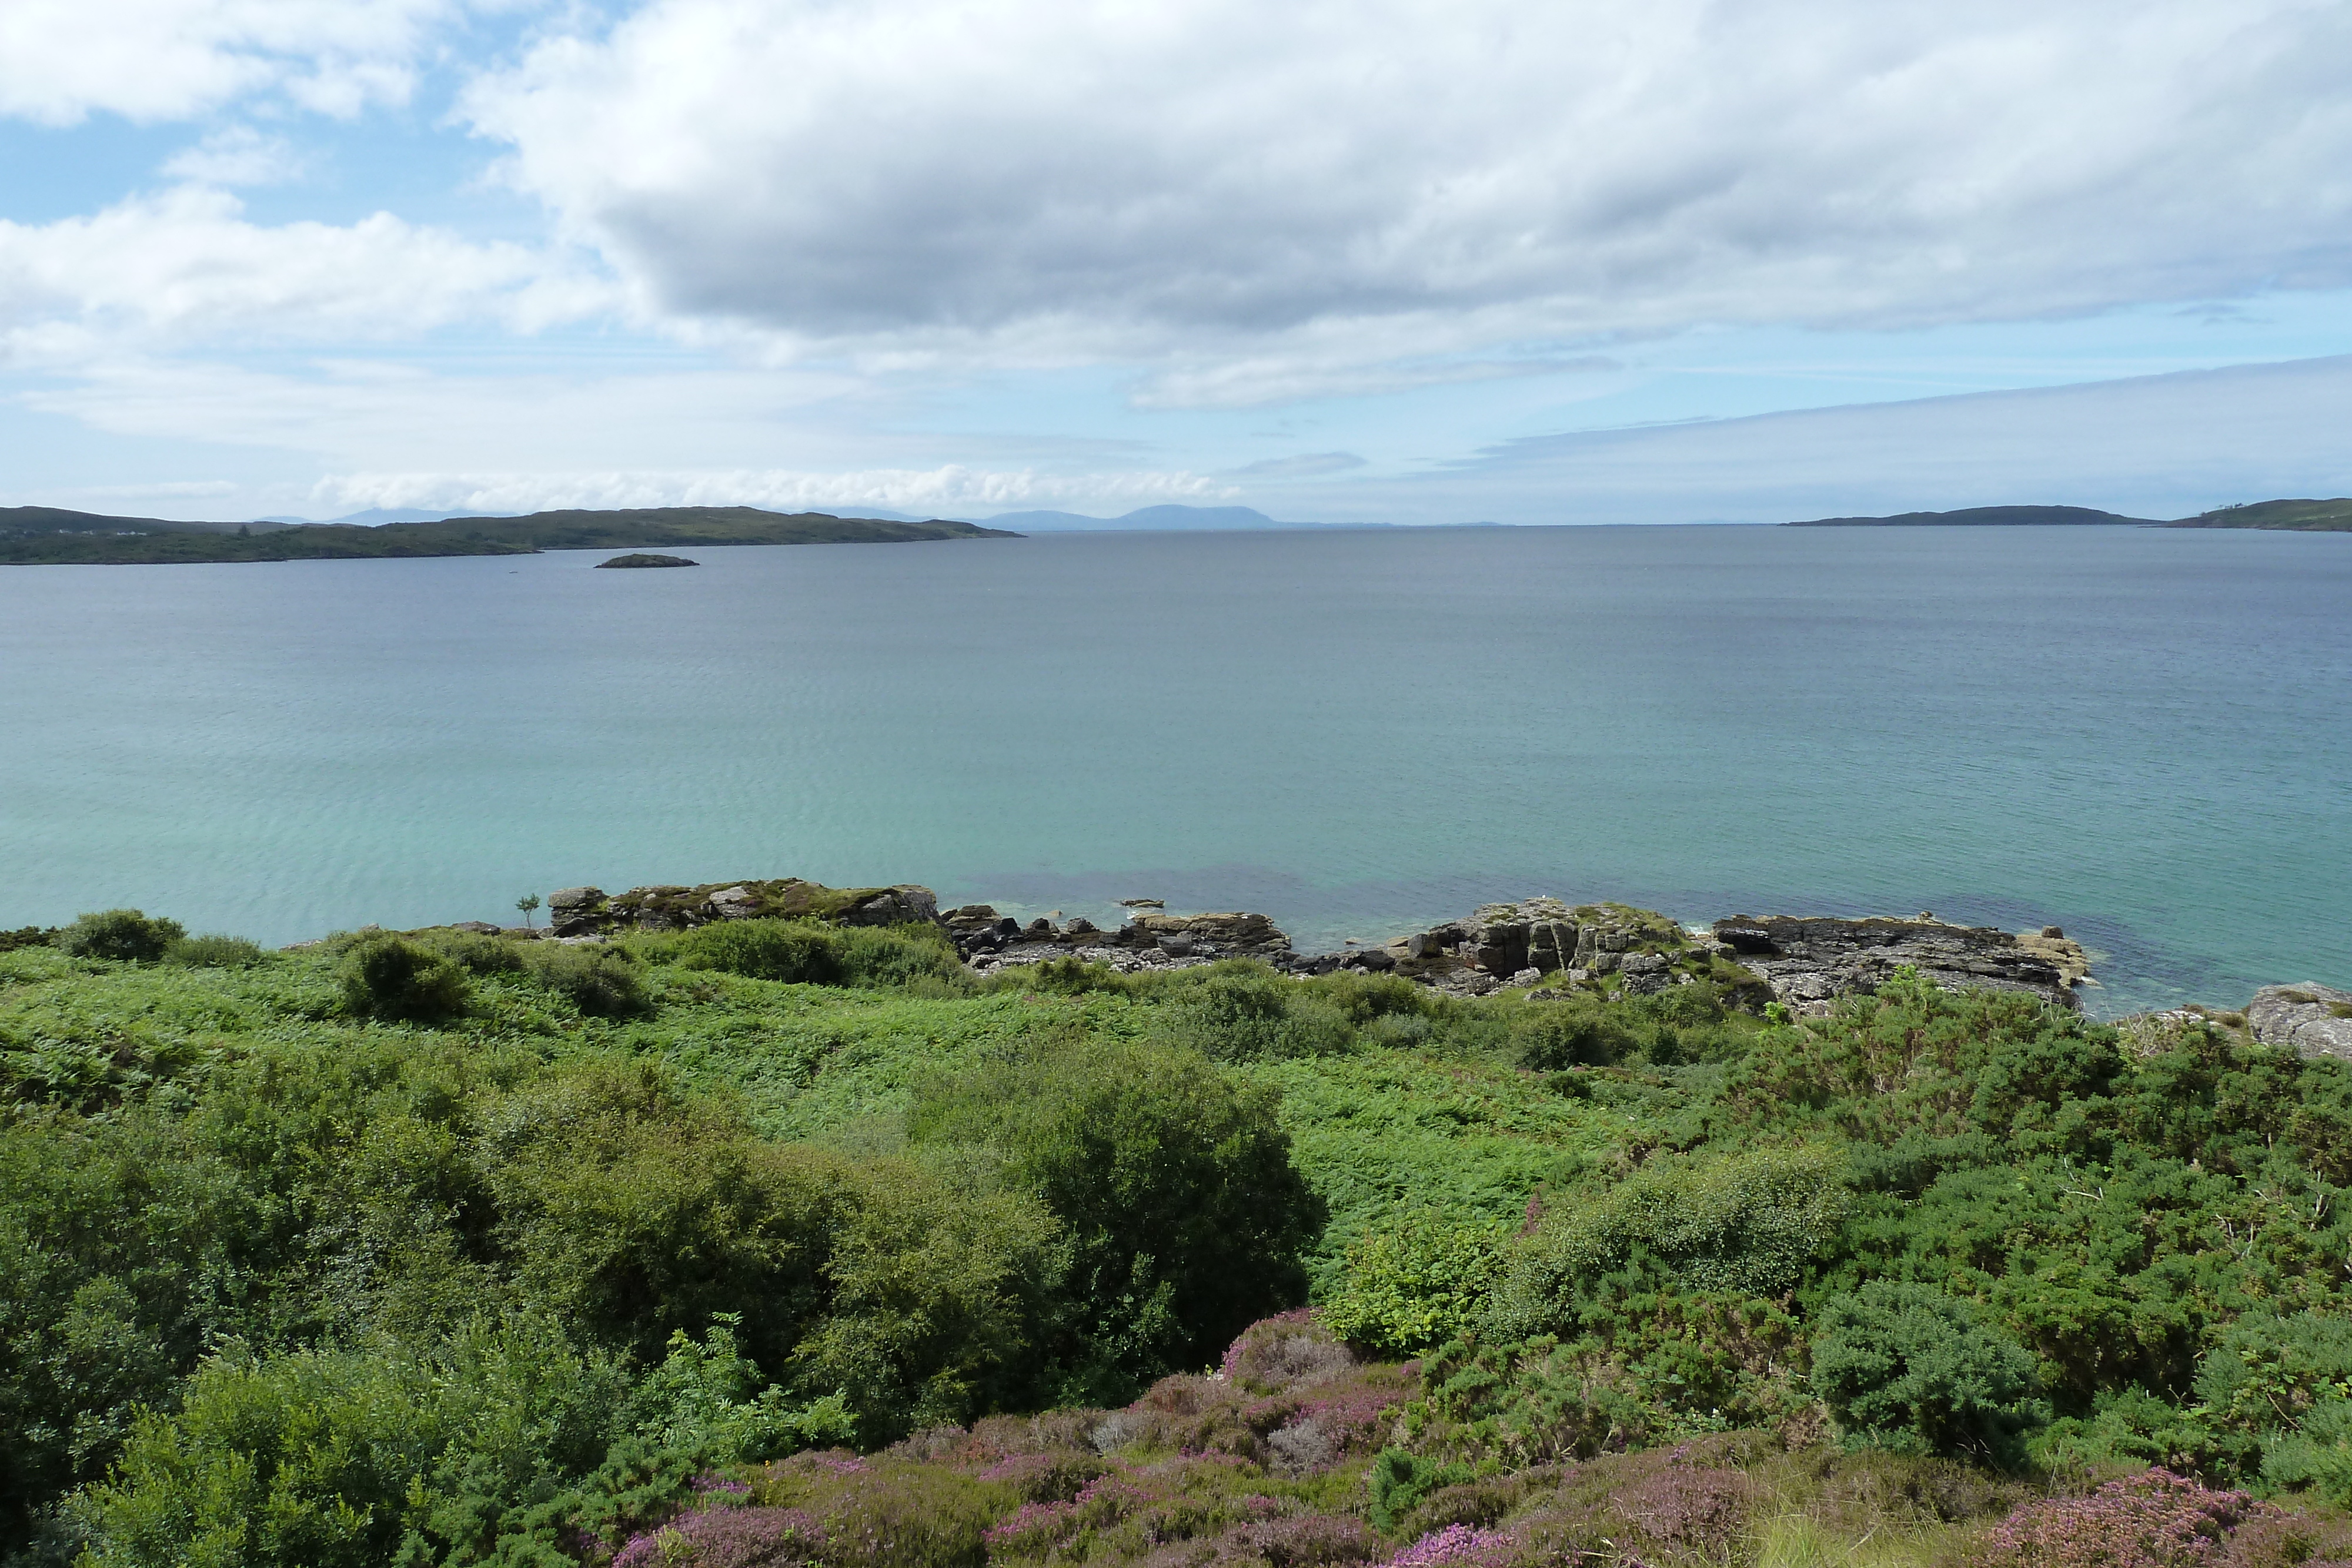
1392, 261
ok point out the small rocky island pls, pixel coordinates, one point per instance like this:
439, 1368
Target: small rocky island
644, 559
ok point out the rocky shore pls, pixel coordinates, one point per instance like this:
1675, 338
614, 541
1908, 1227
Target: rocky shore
1802, 962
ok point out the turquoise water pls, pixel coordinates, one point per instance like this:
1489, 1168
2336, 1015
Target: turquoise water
2144, 736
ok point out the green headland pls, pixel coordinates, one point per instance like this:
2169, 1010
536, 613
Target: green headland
45, 535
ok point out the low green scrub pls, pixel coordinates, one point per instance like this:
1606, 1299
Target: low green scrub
122, 935
400, 981
810, 952
455, 1246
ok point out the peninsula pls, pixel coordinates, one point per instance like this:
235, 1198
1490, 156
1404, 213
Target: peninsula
2297, 516
1979, 516
2300, 516
32, 535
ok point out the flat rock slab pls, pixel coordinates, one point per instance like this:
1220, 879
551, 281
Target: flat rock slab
1812, 959
2309, 1019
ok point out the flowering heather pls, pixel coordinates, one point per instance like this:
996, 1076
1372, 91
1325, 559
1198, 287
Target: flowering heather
726, 1538
2153, 1519
1457, 1543
1688, 1506
1045, 1478
1028, 1530
1036, 1527
1353, 1413
1287, 1350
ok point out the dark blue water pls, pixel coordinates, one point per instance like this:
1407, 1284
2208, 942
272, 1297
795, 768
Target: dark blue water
2144, 736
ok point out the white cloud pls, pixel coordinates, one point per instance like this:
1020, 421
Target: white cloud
1283, 192
951, 487
238, 155
185, 264
61, 60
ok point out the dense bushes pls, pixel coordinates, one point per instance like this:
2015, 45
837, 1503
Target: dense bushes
810, 952
214, 951
1906, 1367
389, 977
1749, 1225
319, 1290
122, 935
1182, 1214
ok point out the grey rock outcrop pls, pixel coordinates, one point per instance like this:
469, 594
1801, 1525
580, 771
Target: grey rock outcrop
1809, 961
590, 912
2309, 1019
1523, 942
1152, 941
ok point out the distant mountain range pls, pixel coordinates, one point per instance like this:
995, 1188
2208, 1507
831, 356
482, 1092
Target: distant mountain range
2308, 516
49, 536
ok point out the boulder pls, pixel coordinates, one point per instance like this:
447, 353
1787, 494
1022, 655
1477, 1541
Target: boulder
2309, 1019
1809, 960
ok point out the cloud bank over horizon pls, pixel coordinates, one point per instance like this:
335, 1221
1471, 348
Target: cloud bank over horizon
290, 255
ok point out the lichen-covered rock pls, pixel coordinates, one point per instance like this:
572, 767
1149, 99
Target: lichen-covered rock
589, 912
1811, 960
2310, 1019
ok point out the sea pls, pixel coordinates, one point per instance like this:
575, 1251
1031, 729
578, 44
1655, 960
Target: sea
2143, 735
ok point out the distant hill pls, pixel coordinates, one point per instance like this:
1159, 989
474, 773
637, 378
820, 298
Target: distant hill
1977, 517
376, 517
2302, 516
1158, 518
46, 534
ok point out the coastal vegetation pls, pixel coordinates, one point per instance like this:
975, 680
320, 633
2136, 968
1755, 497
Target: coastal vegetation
46, 536
2302, 516
783, 1241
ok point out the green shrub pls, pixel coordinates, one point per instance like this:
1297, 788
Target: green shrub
1246, 1013
1914, 1370
387, 976
1506, 1405
28, 936
476, 952
1185, 1216
897, 954
1579, 1031
602, 982
123, 934
213, 952
2267, 1372
804, 952
2317, 1456
356, 1458
1419, 1280
1748, 1224
1398, 1480
635, 1212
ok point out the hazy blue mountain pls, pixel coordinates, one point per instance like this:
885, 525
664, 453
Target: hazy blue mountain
1160, 518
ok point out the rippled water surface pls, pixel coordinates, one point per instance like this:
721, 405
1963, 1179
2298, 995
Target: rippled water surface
2145, 736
